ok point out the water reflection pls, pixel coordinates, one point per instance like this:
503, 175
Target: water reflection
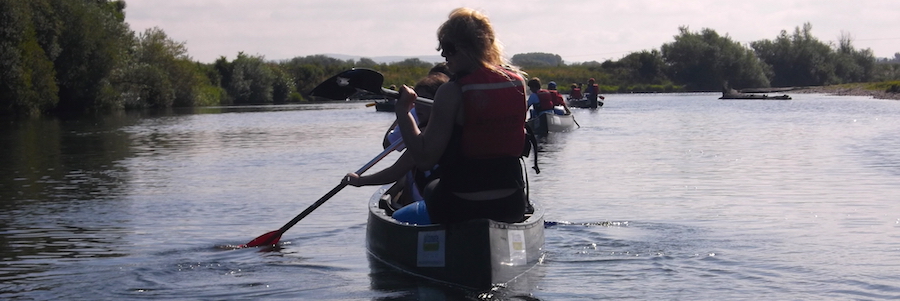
58, 194
395, 285
671, 196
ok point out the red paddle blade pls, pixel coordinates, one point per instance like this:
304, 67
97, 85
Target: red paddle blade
267, 239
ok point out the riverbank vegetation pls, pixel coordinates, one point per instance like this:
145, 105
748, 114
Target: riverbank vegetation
80, 55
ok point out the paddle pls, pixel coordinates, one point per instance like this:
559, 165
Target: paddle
347, 83
339, 87
273, 237
576, 121
548, 224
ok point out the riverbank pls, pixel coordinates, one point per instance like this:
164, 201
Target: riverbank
850, 90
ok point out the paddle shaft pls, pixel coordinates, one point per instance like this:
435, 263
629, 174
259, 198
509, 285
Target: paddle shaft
338, 188
361, 170
395, 94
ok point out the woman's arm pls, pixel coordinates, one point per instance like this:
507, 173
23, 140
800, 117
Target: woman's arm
428, 146
385, 176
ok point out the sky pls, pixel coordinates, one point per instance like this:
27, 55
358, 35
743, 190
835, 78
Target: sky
577, 30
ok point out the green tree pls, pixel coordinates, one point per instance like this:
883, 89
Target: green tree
94, 42
885, 71
282, 86
704, 60
367, 63
536, 59
307, 72
646, 67
27, 77
851, 65
247, 79
799, 59
160, 74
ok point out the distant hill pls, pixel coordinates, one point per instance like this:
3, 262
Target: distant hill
388, 59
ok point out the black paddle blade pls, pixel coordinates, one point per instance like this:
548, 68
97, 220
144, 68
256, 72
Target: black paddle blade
347, 83
268, 239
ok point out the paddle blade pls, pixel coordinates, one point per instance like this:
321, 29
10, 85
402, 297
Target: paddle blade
345, 84
267, 239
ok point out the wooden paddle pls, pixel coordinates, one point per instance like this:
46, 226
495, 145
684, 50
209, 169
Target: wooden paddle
273, 237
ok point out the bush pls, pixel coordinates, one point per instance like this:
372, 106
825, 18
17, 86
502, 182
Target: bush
895, 88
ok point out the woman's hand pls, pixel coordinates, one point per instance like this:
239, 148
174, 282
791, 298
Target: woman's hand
406, 101
353, 179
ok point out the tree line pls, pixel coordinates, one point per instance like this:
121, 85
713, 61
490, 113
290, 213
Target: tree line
705, 60
81, 55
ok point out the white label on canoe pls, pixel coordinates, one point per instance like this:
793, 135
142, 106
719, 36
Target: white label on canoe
430, 249
517, 253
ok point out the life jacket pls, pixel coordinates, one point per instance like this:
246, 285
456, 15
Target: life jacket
546, 100
556, 98
576, 93
494, 108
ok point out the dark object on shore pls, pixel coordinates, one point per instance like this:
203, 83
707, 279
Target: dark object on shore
386, 105
729, 93
753, 96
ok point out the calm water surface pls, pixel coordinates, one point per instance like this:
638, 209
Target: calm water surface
686, 196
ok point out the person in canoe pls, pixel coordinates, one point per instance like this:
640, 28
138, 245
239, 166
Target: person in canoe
558, 99
545, 101
476, 132
576, 92
404, 170
426, 87
593, 91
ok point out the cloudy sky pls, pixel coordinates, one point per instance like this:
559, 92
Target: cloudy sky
577, 30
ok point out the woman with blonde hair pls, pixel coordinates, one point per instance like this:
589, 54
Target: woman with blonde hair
476, 130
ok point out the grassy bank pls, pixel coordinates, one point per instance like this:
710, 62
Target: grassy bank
881, 90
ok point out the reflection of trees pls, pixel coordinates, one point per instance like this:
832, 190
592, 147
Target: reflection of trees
59, 191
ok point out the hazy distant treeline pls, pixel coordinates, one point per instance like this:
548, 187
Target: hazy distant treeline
703, 61
81, 55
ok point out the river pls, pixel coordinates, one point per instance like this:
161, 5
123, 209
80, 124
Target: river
669, 196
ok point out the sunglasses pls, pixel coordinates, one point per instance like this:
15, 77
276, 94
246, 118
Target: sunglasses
448, 48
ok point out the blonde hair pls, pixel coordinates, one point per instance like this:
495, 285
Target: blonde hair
472, 35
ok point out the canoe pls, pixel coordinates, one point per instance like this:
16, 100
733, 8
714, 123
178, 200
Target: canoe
547, 123
476, 254
584, 103
384, 105
753, 96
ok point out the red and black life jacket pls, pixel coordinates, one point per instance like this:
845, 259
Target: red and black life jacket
546, 98
494, 107
556, 98
576, 93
